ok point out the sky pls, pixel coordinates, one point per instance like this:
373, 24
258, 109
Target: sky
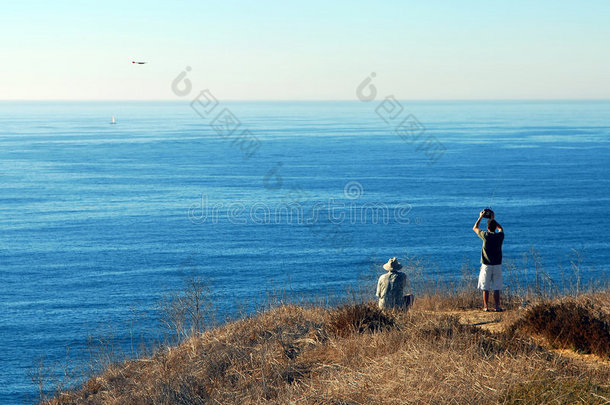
308, 50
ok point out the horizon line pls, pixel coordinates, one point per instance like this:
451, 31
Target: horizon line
305, 100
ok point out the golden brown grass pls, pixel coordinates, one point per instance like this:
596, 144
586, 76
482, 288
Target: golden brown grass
356, 355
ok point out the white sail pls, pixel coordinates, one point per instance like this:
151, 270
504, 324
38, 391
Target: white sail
113, 120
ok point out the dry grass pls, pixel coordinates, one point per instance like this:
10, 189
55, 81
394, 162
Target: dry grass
355, 355
463, 299
580, 324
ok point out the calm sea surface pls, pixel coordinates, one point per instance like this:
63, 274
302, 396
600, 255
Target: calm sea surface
98, 221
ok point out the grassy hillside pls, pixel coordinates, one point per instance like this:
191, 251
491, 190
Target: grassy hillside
443, 351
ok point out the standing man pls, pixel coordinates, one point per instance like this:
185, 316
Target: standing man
391, 286
490, 277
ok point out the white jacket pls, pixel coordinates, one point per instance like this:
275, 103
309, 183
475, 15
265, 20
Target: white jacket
391, 289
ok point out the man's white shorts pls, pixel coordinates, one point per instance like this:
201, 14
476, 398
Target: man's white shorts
490, 277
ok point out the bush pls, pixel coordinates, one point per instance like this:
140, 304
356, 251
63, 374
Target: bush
359, 318
569, 324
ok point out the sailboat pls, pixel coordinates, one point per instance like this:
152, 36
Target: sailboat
113, 120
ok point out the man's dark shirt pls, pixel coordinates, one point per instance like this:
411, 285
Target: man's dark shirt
491, 253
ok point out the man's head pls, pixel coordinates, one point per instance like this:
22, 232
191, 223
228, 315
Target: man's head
492, 225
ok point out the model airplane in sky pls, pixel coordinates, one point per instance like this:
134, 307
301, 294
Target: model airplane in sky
138, 63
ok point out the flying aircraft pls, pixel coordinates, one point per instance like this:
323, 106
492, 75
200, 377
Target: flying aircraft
138, 63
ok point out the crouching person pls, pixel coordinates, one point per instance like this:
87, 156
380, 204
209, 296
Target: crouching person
391, 287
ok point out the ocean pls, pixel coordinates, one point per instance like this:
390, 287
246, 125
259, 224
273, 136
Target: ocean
99, 221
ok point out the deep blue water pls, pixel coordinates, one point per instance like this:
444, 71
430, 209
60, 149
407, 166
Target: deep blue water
98, 221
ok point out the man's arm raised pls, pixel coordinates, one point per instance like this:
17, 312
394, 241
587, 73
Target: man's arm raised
498, 227
475, 228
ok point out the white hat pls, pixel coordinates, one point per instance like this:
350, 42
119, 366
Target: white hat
392, 265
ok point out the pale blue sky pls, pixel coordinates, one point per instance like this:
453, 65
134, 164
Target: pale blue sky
306, 50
